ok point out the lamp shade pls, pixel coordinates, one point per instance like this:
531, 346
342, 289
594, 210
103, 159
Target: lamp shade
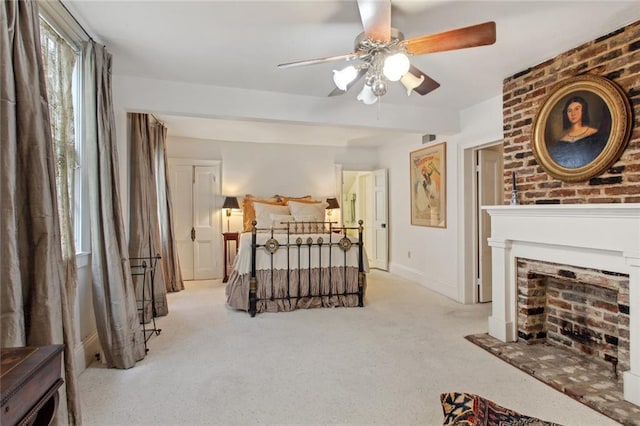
230, 203
332, 203
345, 76
367, 96
395, 66
410, 81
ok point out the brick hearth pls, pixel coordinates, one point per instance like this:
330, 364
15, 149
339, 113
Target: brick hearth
577, 376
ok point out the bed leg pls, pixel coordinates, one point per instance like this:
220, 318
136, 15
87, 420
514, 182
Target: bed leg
361, 279
253, 288
361, 276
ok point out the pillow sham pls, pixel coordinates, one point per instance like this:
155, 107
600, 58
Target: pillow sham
315, 211
264, 212
248, 211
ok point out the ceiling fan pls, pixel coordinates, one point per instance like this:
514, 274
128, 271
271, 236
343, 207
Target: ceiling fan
383, 53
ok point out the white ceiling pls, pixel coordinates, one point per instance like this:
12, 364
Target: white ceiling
239, 43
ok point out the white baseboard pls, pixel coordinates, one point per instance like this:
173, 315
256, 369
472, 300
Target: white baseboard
427, 282
85, 352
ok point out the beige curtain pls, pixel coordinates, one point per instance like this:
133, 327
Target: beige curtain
144, 226
114, 300
35, 307
173, 273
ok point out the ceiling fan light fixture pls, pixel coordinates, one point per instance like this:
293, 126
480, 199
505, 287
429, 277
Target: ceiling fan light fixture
410, 81
395, 66
345, 76
366, 95
379, 87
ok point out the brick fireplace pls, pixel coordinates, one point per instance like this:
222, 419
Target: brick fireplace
570, 274
584, 309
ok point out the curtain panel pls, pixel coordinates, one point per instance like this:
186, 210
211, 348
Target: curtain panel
144, 224
114, 300
35, 306
173, 273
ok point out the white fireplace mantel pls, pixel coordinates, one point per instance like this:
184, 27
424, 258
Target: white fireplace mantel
598, 236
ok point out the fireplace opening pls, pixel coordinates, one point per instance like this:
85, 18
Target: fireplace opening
585, 310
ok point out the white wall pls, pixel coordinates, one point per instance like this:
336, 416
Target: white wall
267, 169
435, 260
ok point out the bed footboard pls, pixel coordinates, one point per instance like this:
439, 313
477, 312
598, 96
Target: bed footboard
316, 266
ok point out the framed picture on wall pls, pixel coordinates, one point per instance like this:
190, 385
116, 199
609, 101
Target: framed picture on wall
581, 128
428, 186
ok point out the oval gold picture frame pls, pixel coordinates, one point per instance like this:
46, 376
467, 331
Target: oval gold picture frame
589, 153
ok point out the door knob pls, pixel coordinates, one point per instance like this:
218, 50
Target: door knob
193, 234
383, 225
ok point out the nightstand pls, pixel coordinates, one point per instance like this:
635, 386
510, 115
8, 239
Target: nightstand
228, 237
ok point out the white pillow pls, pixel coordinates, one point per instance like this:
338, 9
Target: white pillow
278, 219
313, 212
264, 212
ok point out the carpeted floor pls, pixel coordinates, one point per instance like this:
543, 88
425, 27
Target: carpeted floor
587, 381
386, 363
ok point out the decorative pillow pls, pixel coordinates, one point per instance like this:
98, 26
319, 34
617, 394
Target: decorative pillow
467, 409
306, 199
264, 212
316, 211
248, 211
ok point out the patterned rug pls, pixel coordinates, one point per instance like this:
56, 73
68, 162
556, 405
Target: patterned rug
582, 379
464, 409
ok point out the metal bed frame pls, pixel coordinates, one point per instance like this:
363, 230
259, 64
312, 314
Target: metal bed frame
272, 245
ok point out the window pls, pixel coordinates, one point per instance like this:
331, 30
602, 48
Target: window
61, 40
59, 61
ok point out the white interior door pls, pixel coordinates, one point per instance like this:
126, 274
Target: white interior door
206, 223
195, 186
181, 181
490, 193
379, 258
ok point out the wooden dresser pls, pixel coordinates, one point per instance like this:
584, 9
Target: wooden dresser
29, 382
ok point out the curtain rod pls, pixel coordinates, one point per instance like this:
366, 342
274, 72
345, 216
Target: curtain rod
156, 118
76, 21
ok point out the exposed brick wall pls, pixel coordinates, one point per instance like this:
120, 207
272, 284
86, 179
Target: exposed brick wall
561, 305
615, 56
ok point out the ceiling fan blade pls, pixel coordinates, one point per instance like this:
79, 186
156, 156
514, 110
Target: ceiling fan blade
347, 57
428, 85
376, 19
461, 38
337, 91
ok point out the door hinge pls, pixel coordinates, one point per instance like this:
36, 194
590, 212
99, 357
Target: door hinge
193, 234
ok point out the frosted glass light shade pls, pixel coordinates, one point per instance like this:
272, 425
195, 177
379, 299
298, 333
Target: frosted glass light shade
367, 96
345, 76
395, 66
410, 81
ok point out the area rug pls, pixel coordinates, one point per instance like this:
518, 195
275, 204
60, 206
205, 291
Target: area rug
584, 380
465, 409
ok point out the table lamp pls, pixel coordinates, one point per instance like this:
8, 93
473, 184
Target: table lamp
230, 203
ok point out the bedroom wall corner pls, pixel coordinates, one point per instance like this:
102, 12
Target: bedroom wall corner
432, 256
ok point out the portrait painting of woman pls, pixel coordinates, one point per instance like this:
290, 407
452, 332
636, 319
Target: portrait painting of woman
581, 142
581, 128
